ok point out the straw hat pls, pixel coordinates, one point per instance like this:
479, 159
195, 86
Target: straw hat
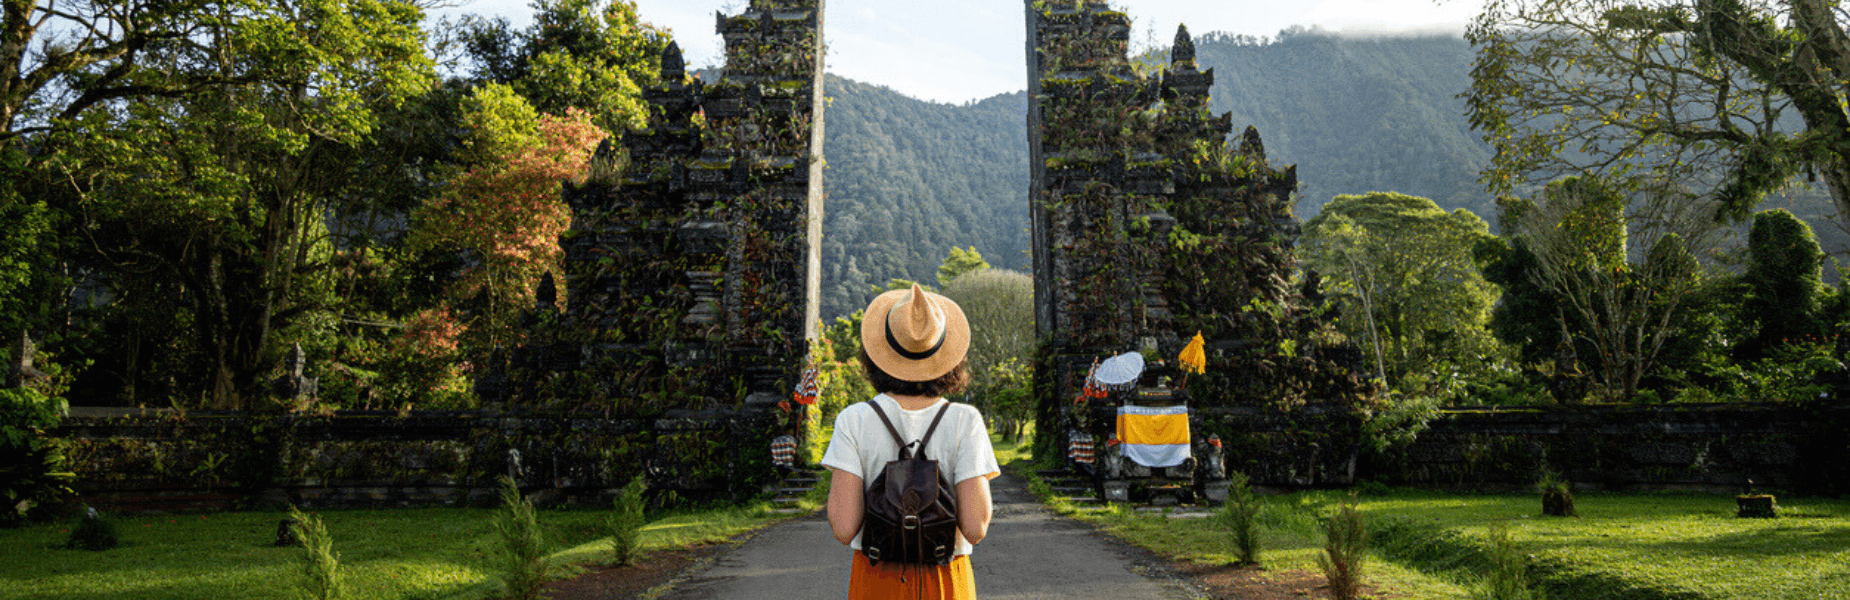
915, 335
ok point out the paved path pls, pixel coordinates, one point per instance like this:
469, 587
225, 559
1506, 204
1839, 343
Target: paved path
1029, 554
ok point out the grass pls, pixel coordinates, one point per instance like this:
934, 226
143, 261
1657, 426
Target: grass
1624, 546
1635, 546
434, 553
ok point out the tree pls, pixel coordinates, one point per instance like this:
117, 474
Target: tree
226, 189
505, 210
1651, 95
1423, 303
1783, 284
591, 55
1615, 317
999, 304
959, 262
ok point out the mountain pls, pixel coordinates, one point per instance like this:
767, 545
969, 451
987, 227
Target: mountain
1356, 114
908, 179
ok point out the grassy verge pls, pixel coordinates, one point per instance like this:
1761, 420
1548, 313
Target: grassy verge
1623, 547
1634, 547
437, 553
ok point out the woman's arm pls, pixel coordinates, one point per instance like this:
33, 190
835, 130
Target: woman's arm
973, 509
846, 505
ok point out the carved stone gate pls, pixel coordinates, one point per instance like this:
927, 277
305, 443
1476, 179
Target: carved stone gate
692, 264
1149, 228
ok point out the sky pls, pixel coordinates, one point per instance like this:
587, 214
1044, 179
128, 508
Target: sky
956, 51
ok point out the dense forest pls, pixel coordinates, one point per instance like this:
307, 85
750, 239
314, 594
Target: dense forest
908, 180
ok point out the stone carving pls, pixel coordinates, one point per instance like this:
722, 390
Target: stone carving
294, 387
1184, 51
19, 371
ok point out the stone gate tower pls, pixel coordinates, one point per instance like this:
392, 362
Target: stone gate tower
1150, 225
691, 266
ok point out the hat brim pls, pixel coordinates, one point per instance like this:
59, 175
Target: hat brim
874, 339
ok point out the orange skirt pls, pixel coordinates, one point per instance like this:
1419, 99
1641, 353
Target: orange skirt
892, 580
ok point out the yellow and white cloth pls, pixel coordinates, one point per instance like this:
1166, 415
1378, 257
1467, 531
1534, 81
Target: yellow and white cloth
1154, 436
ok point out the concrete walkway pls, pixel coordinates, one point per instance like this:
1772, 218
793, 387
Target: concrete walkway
1029, 554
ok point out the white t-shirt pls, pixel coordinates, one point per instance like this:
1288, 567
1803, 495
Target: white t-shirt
862, 446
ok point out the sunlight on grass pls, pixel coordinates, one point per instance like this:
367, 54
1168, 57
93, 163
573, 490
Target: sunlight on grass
1634, 546
1671, 543
435, 553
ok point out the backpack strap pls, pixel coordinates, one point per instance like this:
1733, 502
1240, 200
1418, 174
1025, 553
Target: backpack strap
933, 429
904, 448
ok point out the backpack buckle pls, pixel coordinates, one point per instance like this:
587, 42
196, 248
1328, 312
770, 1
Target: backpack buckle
911, 522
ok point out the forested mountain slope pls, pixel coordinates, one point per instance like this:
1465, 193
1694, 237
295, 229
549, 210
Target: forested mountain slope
1356, 114
908, 179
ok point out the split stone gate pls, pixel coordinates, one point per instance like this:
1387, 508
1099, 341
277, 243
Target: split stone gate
690, 295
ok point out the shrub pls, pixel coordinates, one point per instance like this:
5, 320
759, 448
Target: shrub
626, 523
1508, 575
525, 567
1240, 515
32, 466
320, 563
92, 532
1557, 495
1344, 551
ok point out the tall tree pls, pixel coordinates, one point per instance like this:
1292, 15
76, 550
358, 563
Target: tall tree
226, 189
1783, 284
505, 211
592, 55
1615, 317
958, 263
1737, 97
999, 304
1408, 264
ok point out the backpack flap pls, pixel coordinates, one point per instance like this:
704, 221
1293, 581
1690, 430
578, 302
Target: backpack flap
912, 485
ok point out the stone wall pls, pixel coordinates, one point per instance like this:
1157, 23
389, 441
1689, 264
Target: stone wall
1799, 448
215, 461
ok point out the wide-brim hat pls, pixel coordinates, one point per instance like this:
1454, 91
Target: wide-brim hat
915, 335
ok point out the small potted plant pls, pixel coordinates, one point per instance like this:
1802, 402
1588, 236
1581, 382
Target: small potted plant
1754, 505
1557, 495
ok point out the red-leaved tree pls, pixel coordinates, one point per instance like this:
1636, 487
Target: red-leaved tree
504, 209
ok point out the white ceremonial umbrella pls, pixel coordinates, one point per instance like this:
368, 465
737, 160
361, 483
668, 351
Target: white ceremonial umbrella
1120, 372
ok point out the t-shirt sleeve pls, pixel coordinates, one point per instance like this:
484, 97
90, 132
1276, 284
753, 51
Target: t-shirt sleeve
844, 447
976, 457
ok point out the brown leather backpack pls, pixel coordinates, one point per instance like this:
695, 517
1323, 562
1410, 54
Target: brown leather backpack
912, 507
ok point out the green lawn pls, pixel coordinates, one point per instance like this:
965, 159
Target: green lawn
1633, 547
1637, 546
396, 554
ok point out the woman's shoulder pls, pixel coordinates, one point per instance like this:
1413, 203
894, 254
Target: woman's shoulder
966, 411
857, 409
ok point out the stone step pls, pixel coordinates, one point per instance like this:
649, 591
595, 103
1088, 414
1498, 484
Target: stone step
783, 500
1072, 489
794, 490
801, 481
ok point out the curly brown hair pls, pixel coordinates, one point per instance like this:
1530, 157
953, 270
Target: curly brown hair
949, 383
